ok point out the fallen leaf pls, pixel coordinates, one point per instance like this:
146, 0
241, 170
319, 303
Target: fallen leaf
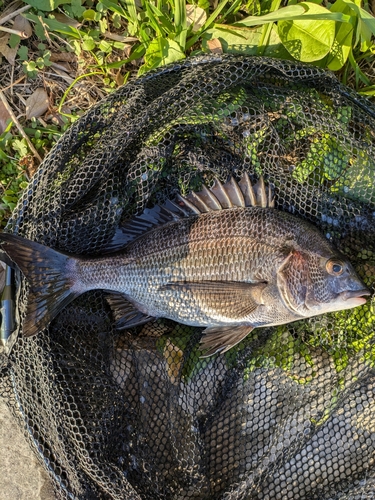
120, 38
63, 66
62, 18
4, 41
174, 358
37, 104
196, 16
8, 53
56, 118
120, 78
215, 46
4, 117
23, 25
63, 56
29, 163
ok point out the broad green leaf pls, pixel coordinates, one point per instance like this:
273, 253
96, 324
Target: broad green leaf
309, 40
23, 53
46, 5
14, 40
303, 11
236, 40
343, 38
90, 14
88, 44
77, 8
161, 51
341, 47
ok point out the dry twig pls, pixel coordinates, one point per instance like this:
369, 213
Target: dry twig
4, 19
21, 34
17, 124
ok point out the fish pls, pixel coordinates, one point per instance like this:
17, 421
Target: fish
223, 258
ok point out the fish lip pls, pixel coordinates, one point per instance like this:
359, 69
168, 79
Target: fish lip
353, 294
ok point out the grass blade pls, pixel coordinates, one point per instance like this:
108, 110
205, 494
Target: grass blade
132, 10
180, 15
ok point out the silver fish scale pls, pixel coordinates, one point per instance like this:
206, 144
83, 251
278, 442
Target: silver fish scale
233, 245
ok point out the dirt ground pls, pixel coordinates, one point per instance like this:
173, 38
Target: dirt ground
21, 475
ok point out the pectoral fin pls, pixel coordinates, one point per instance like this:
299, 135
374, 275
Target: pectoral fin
126, 314
231, 300
219, 339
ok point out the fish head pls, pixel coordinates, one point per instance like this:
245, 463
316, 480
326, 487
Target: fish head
312, 284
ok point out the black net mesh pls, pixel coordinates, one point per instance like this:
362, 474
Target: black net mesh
286, 414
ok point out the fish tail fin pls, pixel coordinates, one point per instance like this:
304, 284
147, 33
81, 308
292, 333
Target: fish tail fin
50, 280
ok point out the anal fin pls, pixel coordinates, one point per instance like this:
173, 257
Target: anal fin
126, 314
219, 339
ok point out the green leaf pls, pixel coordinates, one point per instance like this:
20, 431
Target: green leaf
303, 11
236, 40
359, 75
154, 21
23, 52
130, 14
89, 15
20, 146
54, 25
119, 45
105, 46
310, 40
161, 51
14, 40
365, 24
341, 47
77, 8
46, 5
162, 19
88, 44
137, 53
131, 7
180, 15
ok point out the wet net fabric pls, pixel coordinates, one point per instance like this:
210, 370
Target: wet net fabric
286, 414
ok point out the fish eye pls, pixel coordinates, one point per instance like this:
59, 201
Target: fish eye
334, 267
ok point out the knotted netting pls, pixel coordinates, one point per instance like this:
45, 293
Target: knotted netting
138, 414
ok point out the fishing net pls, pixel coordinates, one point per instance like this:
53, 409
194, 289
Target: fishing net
138, 414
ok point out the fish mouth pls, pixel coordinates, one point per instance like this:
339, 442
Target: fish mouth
354, 297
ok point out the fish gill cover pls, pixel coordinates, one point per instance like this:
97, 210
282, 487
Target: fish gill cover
138, 414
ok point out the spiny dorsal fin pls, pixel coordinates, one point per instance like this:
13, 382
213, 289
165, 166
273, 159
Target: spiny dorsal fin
229, 195
219, 197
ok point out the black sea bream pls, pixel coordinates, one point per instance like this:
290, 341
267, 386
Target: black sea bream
226, 260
